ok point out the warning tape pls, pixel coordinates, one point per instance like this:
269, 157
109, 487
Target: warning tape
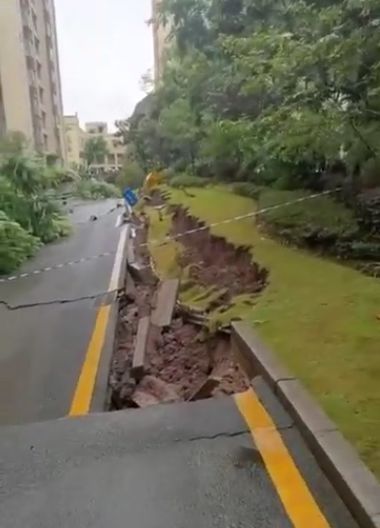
252, 214
56, 267
168, 239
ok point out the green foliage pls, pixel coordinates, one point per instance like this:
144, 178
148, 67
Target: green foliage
94, 189
95, 150
319, 222
29, 212
370, 173
272, 92
247, 189
131, 175
319, 317
16, 244
187, 180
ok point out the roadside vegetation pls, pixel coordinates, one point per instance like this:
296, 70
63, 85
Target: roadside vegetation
281, 95
29, 214
30, 210
271, 101
321, 318
92, 189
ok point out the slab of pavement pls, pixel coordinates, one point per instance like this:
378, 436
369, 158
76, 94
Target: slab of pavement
179, 465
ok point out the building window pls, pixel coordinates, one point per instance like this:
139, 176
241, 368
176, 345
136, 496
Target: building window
44, 119
41, 94
46, 144
37, 44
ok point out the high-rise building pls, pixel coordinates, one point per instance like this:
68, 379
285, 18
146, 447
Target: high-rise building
30, 84
160, 41
75, 140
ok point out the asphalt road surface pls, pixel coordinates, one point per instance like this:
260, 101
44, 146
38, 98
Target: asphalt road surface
232, 462
179, 466
42, 348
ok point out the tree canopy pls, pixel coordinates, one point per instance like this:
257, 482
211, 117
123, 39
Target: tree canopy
95, 150
267, 90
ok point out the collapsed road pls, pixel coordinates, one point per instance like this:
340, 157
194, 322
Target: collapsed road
225, 454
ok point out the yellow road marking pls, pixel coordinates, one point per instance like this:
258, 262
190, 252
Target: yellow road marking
85, 387
293, 491
83, 393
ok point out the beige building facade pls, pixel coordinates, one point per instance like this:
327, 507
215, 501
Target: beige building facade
160, 41
30, 84
76, 139
114, 159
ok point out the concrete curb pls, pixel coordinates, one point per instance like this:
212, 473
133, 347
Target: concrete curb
357, 486
101, 394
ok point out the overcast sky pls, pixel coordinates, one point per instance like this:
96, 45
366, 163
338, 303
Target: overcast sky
105, 46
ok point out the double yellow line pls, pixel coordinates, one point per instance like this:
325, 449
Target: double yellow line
85, 387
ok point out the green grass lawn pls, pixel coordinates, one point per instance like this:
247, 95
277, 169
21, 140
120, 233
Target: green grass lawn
320, 318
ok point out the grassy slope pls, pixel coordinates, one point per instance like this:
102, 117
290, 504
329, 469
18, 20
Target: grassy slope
319, 317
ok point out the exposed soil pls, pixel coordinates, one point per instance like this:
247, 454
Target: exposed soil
183, 356
180, 359
214, 261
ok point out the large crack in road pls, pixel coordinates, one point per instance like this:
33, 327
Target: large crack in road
180, 359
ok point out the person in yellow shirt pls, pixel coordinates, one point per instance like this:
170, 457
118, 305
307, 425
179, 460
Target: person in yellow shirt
153, 179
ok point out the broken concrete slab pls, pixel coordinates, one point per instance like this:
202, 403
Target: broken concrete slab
141, 273
206, 389
166, 301
138, 369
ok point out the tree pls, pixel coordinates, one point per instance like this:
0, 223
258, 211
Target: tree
95, 150
263, 89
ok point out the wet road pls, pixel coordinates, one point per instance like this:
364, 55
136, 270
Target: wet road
42, 348
179, 465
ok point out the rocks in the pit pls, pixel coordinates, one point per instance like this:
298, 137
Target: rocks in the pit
152, 390
205, 390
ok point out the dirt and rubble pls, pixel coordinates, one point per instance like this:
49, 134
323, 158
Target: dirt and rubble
213, 261
183, 361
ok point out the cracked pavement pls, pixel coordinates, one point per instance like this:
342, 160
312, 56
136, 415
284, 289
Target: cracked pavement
180, 465
44, 341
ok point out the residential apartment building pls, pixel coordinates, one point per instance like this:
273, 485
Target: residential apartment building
30, 84
160, 41
76, 139
113, 161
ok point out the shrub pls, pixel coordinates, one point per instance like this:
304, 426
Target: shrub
16, 244
187, 180
94, 190
320, 221
247, 189
370, 174
132, 175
